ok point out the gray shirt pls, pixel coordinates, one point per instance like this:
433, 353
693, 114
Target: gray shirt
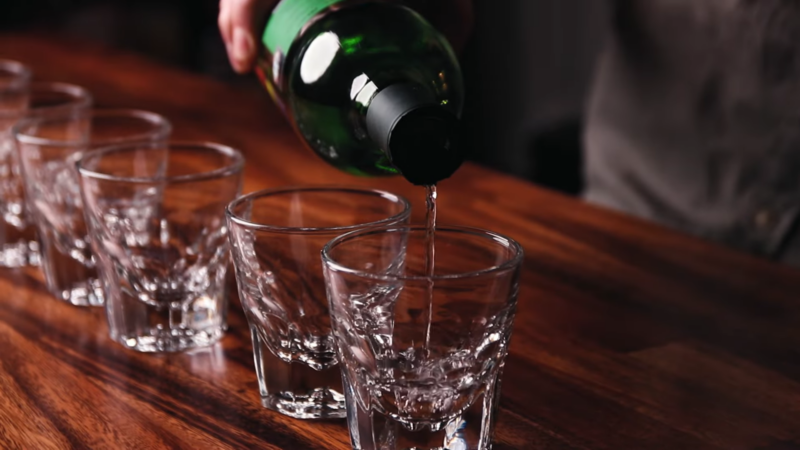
694, 120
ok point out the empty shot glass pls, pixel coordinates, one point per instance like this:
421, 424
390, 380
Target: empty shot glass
15, 234
276, 238
17, 231
156, 217
49, 146
421, 355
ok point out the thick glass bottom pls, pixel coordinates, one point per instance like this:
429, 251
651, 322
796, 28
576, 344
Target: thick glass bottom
69, 272
469, 429
81, 293
296, 389
22, 253
318, 404
197, 322
170, 340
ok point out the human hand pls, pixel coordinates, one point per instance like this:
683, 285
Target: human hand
239, 19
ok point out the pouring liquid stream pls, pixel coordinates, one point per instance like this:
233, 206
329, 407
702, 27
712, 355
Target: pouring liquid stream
430, 230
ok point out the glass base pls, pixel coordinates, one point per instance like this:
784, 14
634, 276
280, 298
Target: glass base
199, 321
320, 404
88, 293
470, 429
70, 274
20, 254
163, 340
295, 388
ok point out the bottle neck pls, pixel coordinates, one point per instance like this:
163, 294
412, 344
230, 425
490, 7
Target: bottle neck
419, 135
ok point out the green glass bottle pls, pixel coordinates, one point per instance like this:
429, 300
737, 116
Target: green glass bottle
371, 86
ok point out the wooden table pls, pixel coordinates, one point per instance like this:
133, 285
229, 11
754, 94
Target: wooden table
628, 336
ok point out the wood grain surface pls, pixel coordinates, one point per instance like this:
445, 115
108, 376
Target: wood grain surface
629, 336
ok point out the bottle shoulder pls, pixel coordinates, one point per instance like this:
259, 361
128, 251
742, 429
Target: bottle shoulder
371, 46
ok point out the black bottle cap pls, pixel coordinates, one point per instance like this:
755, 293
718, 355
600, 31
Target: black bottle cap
419, 135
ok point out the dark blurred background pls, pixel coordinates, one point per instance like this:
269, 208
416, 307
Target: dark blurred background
528, 67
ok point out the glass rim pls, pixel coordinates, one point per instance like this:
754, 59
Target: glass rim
16, 68
508, 265
81, 98
164, 125
394, 198
235, 166
80, 95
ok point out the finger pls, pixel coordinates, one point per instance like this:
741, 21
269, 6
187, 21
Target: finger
243, 17
226, 31
223, 22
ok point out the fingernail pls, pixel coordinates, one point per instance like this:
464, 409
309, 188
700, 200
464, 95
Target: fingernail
242, 45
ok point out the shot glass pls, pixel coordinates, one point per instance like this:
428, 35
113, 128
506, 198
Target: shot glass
422, 355
49, 146
15, 235
17, 231
276, 238
156, 217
